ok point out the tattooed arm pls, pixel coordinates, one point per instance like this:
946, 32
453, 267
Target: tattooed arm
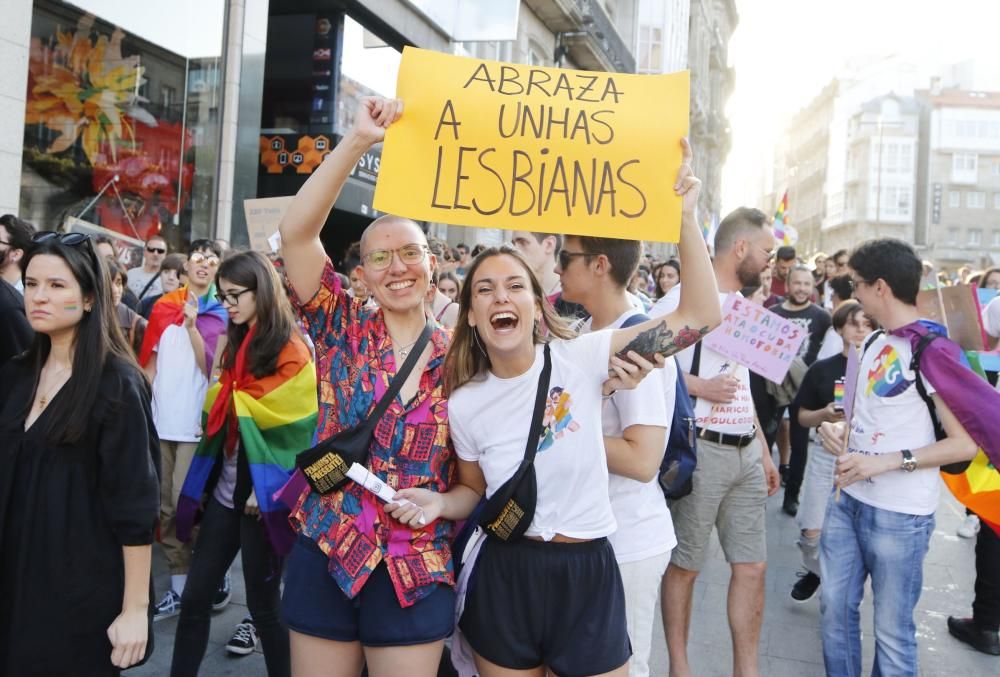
699, 311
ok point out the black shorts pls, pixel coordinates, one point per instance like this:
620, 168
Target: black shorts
313, 604
556, 604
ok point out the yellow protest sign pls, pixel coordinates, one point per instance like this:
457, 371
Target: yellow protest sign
499, 145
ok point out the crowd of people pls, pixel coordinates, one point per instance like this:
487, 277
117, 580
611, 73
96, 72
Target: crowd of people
223, 402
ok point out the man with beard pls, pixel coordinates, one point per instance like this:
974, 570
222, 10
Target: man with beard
735, 473
793, 439
784, 261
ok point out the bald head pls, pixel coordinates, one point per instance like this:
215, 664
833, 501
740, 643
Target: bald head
391, 223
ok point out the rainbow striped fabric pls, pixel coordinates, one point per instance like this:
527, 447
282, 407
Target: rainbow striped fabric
782, 233
276, 417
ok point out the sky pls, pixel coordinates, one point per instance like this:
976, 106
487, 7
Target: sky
786, 51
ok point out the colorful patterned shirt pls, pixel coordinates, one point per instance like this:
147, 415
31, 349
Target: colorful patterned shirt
411, 448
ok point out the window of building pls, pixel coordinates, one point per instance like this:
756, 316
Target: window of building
975, 237
149, 75
975, 199
996, 200
650, 42
952, 236
954, 198
996, 238
964, 167
996, 168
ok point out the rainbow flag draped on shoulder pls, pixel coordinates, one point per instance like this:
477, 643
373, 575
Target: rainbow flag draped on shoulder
274, 418
169, 310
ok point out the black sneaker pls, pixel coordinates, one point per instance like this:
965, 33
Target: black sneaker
168, 607
966, 630
244, 639
806, 588
790, 506
783, 471
223, 594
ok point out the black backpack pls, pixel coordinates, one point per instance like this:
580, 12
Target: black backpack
680, 457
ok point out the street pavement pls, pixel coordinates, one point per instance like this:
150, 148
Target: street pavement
789, 644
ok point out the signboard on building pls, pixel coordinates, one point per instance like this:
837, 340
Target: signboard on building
936, 204
499, 145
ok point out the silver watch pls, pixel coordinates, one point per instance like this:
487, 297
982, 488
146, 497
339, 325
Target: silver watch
909, 463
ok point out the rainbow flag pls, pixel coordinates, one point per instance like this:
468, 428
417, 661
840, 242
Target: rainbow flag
978, 489
274, 418
169, 310
782, 233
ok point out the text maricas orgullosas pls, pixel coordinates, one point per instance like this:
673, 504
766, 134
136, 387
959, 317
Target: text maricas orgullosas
484, 143
753, 336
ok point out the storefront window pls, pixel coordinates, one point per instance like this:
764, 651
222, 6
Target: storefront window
122, 117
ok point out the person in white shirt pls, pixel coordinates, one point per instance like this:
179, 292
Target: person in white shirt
554, 598
735, 473
882, 523
594, 272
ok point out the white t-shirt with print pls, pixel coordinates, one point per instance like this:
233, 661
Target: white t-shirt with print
179, 388
138, 278
889, 415
735, 418
644, 526
489, 420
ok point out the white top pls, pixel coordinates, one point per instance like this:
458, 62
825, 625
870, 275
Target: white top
489, 420
889, 416
991, 317
735, 418
832, 345
138, 278
644, 526
178, 389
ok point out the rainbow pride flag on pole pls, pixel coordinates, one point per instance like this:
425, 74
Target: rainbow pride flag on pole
274, 418
782, 230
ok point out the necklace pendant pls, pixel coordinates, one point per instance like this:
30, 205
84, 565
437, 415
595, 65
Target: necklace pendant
403, 353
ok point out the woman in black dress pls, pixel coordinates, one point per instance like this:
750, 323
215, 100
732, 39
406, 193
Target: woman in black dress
79, 494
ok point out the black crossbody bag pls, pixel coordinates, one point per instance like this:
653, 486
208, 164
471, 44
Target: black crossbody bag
325, 465
508, 512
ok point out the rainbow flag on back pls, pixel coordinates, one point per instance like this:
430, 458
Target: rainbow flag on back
169, 310
274, 418
782, 233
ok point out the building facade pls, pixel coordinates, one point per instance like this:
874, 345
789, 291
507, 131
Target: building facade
958, 201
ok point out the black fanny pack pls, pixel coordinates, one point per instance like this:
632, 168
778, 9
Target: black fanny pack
325, 465
508, 512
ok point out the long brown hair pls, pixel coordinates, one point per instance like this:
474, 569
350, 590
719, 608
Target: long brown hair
275, 320
97, 340
466, 358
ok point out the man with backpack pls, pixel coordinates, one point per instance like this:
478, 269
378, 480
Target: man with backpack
735, 472
881, 523
595, 272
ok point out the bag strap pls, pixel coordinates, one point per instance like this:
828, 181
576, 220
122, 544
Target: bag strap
925, 341
401, 374
148, 285
541, 395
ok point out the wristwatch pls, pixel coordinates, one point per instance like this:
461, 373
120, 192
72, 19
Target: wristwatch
909, 463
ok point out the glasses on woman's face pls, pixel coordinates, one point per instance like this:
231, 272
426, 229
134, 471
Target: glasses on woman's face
410, 255
211, 260
231, 298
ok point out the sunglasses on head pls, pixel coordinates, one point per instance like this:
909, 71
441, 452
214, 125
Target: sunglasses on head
70, 239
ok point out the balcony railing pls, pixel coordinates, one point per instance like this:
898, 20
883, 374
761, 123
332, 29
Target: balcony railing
586, 34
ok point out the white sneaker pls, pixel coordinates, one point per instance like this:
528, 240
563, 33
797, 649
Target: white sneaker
970, 527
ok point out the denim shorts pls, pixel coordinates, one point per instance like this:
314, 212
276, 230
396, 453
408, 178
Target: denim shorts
313, 604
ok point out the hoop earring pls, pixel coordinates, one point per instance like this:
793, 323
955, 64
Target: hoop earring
475, 339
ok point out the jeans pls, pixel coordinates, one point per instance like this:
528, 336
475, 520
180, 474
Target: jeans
223, 533
859, 541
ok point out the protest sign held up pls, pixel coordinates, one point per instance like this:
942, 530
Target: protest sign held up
755, 337
497, 145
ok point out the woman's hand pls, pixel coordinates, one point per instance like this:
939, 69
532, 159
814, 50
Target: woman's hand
128, 635
833, 413
251, 508
422, 503
627, 374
